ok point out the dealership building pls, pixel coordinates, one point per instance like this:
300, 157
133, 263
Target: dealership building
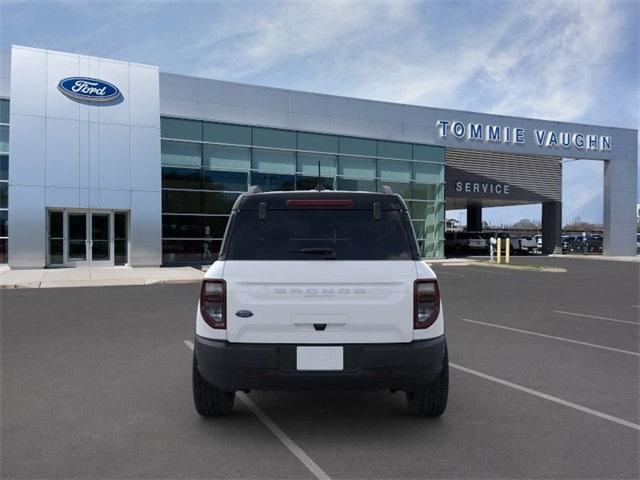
107, 162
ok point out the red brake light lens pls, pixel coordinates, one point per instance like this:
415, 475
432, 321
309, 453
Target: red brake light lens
329, 203
213, 303
426, 304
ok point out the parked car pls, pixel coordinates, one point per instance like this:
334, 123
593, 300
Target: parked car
320, 290
465, 242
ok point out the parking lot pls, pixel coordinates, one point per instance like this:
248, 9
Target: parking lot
96, 383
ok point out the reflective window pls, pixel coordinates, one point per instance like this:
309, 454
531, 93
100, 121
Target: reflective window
190, 178
358, 146
356, 185
4, 251
4, 167
394, 150
317, 143
308, 164
311, 183
180, 153
227, 158
120, 243
428, 172
181, 226
271, 137
393, 170
401, 188
190, 251
182, 129
274, 161
4, 139
218, 202
356, 167
4, 220
273, 182
4, 195
425, 191
428, 153
214, 226
217, 180
4, 111
176, 201
224, 133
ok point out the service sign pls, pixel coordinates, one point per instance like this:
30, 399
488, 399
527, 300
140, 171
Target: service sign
88, 89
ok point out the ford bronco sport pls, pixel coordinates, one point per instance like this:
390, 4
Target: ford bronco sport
320, 290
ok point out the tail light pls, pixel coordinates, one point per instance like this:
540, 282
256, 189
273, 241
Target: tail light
426, 303
213, 303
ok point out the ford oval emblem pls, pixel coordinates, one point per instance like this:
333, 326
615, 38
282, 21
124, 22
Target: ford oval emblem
89, 89
244, 313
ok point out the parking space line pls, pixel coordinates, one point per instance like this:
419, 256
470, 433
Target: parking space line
490, 270
280, 435
595, 317
551, 398
440, 272
553, 337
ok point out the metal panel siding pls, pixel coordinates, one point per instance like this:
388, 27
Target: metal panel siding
541, 176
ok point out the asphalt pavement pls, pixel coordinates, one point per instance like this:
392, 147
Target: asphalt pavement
95, 383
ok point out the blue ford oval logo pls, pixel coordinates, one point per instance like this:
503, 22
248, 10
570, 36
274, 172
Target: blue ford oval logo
244, 313
90, 89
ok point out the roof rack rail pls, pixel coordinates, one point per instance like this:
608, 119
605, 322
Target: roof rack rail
254, 189
387, 190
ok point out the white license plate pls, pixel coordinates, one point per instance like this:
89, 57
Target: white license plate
320, 358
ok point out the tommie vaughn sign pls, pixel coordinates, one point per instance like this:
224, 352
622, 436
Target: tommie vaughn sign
479, 132
88, 89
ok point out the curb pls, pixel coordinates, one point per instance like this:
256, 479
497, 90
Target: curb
521, 267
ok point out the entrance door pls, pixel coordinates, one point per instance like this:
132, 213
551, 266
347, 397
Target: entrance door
100, 242
77, 240
87, 238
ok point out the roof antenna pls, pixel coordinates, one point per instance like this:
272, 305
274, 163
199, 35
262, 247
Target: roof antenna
319, 187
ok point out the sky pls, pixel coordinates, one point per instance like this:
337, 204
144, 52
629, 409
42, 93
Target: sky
558, 60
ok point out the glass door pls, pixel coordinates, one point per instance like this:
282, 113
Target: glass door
77, 239
100, 242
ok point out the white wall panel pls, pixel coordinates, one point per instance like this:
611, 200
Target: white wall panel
27, 141
63, 153
28, 85
145, 155
144, 97
115, 199
62, 197
223, 113
59, 66
115, 156
266, 98
146, 228
118, 74
28, 227
271, 118
223, 93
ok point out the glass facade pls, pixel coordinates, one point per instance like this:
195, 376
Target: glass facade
4, 180
206, 165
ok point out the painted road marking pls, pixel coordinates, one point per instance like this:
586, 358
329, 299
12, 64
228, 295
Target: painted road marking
280, 435
562, 339
490, 270
596, 317
440, 272
551, 398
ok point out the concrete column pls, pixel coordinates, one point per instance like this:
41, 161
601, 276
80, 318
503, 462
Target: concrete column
551, 227
474, 218
620, 198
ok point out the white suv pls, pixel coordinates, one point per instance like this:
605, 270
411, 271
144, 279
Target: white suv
320, 290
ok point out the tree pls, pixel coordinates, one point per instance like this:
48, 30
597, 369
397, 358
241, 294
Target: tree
525, 224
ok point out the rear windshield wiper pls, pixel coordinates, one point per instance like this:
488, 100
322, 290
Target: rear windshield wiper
330, 252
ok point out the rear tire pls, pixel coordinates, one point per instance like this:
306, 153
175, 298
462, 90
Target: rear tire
432, 401
209, 400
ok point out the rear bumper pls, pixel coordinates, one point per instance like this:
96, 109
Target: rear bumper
242, 366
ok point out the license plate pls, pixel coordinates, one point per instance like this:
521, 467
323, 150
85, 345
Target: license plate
320, 358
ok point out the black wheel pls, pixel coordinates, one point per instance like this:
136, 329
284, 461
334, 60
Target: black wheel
209, 400
432, 401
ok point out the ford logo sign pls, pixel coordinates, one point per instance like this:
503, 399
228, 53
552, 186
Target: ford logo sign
244, 313
89, 89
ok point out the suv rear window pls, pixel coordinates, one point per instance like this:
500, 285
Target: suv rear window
316, 234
